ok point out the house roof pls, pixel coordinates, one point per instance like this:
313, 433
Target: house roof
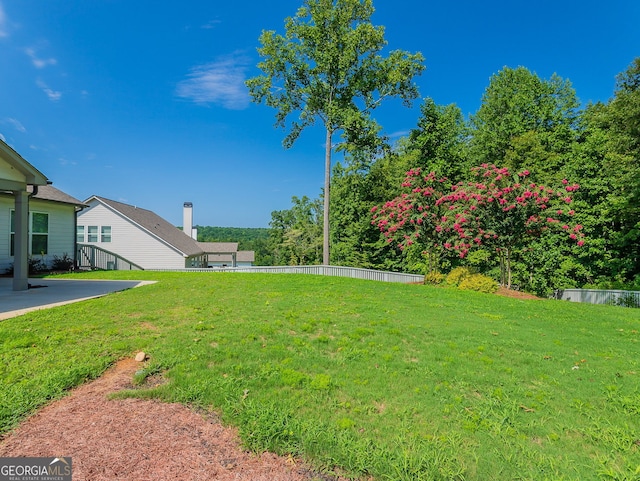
155, 225
218, 247
18, 172
241, 256
48, 192
246, 256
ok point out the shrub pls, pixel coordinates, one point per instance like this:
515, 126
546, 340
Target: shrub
627, 299
64, 263
434, 278
36, 265
480, 283
457, 275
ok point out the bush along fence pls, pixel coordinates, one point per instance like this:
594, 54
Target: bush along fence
597, 296
337, 271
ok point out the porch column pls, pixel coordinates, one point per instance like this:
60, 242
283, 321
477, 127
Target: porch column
21, 242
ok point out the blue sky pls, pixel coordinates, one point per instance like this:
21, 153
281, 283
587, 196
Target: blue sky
144, 101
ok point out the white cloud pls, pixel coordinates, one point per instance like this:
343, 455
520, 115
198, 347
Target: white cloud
211, 24
3, 138
53, 95
65, 162
3, 23
220, 82
401, 133
39, 62
17, 124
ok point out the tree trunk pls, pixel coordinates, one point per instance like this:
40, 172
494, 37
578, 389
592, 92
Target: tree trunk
508, 268
327, 184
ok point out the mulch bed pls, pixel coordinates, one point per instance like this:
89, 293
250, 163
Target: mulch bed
503, 291
135, 439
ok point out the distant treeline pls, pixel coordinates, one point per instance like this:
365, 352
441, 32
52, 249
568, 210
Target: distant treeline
248, 238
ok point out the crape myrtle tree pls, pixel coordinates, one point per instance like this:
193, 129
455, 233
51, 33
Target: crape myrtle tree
412, 219
328, 67
505, 212
498, 210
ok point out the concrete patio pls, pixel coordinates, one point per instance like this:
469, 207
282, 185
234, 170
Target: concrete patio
46, 293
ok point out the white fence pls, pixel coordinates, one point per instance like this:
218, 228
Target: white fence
597, 296
338, 271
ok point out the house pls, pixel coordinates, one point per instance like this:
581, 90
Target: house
138, 235
226, 254
218, 254
51, 226
36, 219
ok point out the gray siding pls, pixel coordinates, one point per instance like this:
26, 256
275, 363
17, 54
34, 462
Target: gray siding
61, 230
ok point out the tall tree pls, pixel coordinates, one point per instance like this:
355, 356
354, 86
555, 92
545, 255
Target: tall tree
608, 166
328, 66
525, 122
440, 142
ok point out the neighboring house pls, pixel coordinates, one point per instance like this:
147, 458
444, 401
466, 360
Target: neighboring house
226, 254
137, 235
36, 220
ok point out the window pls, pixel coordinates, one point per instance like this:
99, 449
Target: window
105, 233
38, 233
80, 233
92, 233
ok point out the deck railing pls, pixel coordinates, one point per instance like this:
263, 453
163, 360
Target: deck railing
94, 257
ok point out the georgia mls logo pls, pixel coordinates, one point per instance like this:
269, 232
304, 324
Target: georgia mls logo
35, 469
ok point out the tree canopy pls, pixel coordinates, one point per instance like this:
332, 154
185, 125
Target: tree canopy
329, 67
532, 129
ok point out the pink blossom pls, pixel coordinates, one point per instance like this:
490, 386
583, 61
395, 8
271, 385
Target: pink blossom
580, 243
565, 181
572, 236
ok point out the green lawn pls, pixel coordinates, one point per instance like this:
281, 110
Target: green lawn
392, 381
